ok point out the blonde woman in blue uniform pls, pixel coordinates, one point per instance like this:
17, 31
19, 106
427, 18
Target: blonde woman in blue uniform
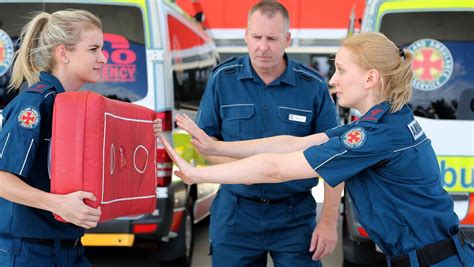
385, 159
59, 52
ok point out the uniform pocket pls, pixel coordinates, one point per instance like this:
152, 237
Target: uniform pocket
238, 122
295, 121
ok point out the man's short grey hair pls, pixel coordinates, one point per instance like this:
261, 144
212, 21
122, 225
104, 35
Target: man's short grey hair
271, 8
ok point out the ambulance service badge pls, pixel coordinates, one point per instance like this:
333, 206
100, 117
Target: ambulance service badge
354, 138
29, 118
432, 64
6, 52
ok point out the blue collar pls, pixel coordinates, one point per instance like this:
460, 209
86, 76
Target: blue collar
288, 76
51, 79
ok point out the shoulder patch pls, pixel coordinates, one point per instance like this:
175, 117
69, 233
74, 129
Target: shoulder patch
354, 138
29, 117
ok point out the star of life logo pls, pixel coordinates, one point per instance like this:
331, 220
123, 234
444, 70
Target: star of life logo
6, 52
432, 65
354, 138
29, 118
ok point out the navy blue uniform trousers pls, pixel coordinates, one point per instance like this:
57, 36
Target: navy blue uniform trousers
15, 252
248, 230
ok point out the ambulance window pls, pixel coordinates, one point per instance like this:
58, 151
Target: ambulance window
443, 46
124, 75
193, 57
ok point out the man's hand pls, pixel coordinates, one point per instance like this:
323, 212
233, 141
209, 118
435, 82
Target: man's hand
73, 209
323, 240
201, 141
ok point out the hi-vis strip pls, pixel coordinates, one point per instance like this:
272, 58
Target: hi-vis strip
457, 173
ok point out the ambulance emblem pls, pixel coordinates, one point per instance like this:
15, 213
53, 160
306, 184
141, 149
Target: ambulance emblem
6, 52
432, 64
29, 118
354, 138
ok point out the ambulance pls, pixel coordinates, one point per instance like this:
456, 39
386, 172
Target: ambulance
157, 57
439, 34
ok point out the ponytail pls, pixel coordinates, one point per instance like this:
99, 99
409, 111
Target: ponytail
398, 87
25, 67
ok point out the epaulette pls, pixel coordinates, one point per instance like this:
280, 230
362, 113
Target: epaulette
43, 88
223, 63
375, 114
227, 67
307, 73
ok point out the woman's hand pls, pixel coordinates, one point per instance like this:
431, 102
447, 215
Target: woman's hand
185, 168
201, 141
71, 208
157, 127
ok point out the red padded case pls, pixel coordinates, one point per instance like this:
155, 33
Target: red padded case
106, 147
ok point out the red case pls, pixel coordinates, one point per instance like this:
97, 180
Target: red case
106, 147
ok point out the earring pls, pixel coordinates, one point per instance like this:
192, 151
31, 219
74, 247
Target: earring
66, 61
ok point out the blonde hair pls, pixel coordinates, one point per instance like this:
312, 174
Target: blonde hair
42, 35
375, 51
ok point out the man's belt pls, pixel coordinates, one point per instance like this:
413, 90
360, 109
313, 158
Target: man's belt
65, 243
269, 201
430, 254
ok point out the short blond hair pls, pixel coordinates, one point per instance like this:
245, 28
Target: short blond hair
42, 35
374, 50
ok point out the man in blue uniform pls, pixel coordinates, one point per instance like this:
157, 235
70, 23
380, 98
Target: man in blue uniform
385, 159
261, 95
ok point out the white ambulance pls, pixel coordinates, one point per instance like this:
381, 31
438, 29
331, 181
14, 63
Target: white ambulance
160, 58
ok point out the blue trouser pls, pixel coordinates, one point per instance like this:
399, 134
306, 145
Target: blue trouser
463, 258
242, 231
15, 252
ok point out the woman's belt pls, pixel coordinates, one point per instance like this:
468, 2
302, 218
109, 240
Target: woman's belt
430, 254
65, 243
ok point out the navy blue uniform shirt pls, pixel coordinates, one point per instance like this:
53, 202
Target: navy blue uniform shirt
237, 105
24, 144
392, 175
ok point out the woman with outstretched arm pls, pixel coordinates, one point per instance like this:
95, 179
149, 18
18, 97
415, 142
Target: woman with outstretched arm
385, 159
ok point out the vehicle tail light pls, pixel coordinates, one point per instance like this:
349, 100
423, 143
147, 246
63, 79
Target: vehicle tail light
362, 232
144, 228
178, 216
164, 164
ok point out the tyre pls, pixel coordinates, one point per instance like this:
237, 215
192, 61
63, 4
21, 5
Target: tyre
183, 245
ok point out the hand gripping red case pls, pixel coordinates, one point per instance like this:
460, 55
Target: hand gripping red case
106, 147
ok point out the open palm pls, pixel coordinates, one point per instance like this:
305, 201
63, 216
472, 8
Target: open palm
184, 167
201, 141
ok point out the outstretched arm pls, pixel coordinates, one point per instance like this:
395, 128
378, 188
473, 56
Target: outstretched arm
242, 149
70, 207
262, 168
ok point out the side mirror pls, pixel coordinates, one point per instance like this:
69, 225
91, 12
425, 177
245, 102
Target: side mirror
199, 17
